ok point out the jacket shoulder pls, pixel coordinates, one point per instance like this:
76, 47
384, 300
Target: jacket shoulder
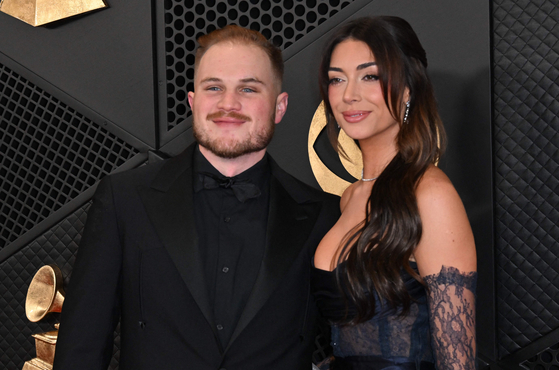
158, 173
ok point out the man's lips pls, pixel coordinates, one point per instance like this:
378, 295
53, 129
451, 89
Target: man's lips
227, 118
354, 116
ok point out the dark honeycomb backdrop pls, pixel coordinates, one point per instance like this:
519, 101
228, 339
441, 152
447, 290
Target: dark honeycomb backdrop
282, 21
50, 153
545, 360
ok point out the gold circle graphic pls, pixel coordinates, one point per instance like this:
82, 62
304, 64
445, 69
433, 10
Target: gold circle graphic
328, 180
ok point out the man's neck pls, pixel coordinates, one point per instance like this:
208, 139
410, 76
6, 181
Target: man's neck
230, 167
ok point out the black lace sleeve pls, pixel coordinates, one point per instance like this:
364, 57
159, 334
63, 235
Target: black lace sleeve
452, 318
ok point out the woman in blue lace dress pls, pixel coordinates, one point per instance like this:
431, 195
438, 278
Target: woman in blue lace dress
396, 275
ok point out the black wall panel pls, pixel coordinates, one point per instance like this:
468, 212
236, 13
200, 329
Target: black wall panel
103, 59
526, 127
59, 245
53, 150
92, 94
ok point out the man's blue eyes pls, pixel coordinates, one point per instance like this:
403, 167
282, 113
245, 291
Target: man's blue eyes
245, 89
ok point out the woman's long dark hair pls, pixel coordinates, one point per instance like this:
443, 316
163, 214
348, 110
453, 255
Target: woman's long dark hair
376, 250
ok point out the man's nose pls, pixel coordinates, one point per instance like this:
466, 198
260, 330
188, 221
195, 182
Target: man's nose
229, 102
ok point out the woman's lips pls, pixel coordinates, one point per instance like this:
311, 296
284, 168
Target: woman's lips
355, 115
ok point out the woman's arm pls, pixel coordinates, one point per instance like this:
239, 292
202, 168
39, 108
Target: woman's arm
446, 259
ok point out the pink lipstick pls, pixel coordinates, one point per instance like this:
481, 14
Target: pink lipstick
355, 116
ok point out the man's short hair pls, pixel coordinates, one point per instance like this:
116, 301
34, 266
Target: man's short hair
243, 36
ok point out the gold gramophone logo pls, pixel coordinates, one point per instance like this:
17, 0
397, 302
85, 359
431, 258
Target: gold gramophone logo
328, 180
45, 294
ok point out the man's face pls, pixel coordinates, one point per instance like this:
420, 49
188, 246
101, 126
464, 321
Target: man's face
236, 103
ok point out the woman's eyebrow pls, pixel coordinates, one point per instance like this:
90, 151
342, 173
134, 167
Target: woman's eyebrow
359, 67
365, 65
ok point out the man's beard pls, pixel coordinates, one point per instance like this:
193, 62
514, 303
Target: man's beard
230, 148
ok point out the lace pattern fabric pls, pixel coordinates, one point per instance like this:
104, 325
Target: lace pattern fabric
389, 336
452, 318
439, 328
387, 339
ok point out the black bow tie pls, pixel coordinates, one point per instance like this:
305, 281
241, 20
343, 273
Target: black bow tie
243, 189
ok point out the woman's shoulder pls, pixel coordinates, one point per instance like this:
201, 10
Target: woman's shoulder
447, 237
436, 190
433, 176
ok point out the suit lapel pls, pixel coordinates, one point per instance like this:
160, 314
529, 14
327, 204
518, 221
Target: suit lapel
169, 205
289, 225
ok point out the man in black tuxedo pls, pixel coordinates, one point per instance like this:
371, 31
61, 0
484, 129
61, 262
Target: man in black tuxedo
205, 257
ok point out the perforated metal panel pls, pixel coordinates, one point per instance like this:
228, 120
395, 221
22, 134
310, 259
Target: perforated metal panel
282, 21
50, 154
526, 140
545, 360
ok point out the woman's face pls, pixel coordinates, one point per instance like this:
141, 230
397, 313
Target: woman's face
355, 93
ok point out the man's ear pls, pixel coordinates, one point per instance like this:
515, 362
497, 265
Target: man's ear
281, 106
191, 99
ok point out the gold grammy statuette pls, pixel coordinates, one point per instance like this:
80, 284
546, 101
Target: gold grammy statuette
41, 12
45, 294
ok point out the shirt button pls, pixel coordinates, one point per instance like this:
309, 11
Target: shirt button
225, 269
219, 327
227, 219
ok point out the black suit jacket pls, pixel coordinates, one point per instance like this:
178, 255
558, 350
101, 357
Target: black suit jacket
139, 260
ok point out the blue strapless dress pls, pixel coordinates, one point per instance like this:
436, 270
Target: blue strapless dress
385, 342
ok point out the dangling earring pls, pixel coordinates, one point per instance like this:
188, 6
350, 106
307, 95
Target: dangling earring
407, 112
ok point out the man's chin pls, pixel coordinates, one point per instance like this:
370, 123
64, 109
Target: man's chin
232, 151
231, 147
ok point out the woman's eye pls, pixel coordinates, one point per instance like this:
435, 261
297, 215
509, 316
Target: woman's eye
371, 78
334, 81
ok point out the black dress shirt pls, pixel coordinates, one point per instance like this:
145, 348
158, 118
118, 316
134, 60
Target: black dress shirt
232, 237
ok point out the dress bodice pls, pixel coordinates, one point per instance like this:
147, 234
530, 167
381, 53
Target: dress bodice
401, 339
